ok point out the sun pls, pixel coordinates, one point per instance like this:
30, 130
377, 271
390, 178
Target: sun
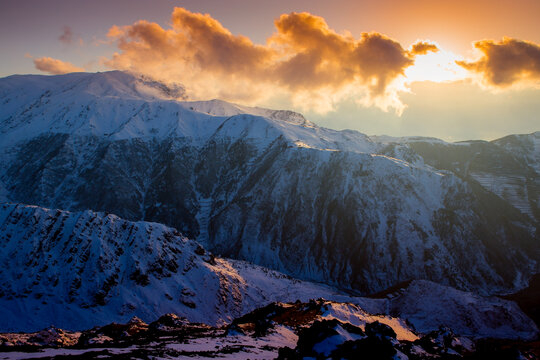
437, 66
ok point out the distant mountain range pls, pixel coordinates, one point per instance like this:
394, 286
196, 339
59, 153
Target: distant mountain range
357, 212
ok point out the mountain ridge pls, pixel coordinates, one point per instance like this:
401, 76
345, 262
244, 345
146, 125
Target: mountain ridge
79, 270
331, 206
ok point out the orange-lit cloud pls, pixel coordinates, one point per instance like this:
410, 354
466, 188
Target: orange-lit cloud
505, 63
316, 56
55, 66
304, 58
422, 48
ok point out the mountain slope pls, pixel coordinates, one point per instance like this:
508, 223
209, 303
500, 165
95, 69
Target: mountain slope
78, 270
81, 269
508, 167
260, 185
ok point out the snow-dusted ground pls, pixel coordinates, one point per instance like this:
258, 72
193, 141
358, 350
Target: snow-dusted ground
203, 218
355, 315
251, 348
51, 352
242, 347
428, 306
312, 329
512, 188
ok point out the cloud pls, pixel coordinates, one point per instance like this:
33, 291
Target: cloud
195, 43
319, 57
304, 58
67, 36
55, 66
422, 48
506, 63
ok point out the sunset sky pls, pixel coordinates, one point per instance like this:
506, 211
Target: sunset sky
455, 70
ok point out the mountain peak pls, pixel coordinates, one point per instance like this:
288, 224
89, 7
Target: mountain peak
127, 85
219, 107
122, 105
105, 84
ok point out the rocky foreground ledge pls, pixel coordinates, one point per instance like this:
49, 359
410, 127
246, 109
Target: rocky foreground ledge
318, 329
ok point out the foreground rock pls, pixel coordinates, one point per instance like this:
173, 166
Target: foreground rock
428, 306
317, 329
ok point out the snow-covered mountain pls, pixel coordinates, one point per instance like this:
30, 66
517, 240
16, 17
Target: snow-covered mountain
77, 270
508, 167
80, 269
270, 186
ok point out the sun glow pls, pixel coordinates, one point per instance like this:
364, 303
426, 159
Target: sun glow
437, 66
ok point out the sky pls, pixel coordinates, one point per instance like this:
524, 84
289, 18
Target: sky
455, 70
